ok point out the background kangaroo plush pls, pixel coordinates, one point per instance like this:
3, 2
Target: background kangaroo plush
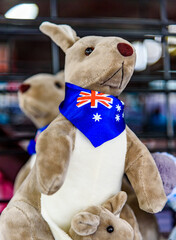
39, 97
97, 63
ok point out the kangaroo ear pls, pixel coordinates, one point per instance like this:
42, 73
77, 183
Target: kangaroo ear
63, 35
116, 203
85, 223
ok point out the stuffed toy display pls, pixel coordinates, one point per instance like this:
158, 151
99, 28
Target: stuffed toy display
38, 97
102, 222
148, 226
147, 222
83, 154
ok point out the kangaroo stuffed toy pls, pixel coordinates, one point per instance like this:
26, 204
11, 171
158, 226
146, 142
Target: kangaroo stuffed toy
81, 162
34, 101
38, 97
102, 222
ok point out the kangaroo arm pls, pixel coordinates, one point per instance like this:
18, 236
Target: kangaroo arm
54, 147
143, 174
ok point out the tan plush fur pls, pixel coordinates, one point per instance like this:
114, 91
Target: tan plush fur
105, 70
92, 72
22, 174
142, 171
40, 103
93, 223
147, 222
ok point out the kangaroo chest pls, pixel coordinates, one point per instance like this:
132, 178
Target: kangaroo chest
94, 175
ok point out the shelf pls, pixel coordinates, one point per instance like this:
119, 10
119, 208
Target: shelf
88, 26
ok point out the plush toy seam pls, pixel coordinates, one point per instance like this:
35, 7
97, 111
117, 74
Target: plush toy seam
38, 205
42, 185
143, 185
141, 179
53, 183
131, 164
47, 191
97, 76
28, 221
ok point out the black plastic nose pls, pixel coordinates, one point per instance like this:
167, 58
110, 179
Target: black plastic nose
24, 87
125, 49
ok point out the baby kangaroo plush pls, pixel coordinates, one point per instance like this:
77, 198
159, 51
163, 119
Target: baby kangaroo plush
38, 97
84, 152
102, 222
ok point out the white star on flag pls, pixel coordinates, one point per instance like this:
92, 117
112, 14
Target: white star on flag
97, 117
117, 117
118, 108
123, 115
122, 103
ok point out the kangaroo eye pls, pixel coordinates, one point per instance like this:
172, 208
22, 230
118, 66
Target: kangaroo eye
89, 50
58, 85
110, 229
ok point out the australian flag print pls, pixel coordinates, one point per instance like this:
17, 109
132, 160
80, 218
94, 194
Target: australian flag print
98, 116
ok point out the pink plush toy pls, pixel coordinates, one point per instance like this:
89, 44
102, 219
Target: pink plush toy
6, 191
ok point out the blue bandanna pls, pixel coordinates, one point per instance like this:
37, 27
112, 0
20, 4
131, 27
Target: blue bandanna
97, 115
31, 146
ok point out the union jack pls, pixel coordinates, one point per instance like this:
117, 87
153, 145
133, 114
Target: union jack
94, 98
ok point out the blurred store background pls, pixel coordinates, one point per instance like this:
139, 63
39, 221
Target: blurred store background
150, 97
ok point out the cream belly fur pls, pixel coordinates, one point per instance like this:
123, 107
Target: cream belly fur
100, 170
32, 160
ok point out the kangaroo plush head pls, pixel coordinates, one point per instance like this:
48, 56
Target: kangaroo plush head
40, 95
102, 222
103, 64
